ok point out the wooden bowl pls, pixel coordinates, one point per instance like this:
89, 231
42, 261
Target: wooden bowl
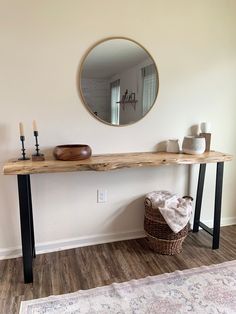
72, 152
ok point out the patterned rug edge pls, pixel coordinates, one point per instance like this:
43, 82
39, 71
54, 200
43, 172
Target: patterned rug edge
133, 282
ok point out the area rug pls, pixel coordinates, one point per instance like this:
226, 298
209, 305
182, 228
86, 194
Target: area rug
205, 290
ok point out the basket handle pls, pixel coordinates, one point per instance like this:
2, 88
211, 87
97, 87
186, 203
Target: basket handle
188, 197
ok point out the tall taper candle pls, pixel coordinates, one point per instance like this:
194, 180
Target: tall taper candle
21, 127
35, 126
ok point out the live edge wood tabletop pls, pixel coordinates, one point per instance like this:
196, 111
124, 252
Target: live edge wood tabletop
23, 170
111, 162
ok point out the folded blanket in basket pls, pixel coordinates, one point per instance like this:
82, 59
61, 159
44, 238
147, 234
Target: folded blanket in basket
175, 210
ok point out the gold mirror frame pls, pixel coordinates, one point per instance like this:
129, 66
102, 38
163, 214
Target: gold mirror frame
79, 87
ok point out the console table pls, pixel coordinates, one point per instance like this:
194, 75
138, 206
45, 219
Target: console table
23, 170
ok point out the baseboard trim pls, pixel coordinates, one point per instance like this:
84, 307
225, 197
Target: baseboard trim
66, 244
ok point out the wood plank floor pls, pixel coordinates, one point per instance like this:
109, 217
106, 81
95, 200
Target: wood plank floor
89, 267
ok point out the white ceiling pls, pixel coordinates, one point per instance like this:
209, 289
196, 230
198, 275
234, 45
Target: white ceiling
112, 57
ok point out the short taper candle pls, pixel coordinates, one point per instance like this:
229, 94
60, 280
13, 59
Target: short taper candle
21, 127
35, 126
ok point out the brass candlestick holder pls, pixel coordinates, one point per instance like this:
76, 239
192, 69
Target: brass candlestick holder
38, 156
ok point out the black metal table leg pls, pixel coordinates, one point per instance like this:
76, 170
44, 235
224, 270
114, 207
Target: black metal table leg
217, 211
201, 179
31, 218
26, 226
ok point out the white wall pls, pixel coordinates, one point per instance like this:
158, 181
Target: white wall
42, 43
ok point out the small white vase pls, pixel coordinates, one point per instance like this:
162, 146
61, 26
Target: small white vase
194, 145
205, 127
173, 146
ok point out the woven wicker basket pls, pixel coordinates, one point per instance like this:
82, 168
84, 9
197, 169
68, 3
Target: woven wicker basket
160, 237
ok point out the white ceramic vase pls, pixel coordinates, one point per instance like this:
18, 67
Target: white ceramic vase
194, 145
205, 127
173, 146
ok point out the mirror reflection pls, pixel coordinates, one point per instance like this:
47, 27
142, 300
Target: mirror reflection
118, 81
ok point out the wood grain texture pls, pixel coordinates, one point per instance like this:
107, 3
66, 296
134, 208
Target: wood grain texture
97, 265
111, 162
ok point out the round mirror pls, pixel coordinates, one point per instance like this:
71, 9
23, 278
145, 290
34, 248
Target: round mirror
118, 81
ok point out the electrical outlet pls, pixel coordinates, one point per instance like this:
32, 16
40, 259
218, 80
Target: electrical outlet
101, 196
